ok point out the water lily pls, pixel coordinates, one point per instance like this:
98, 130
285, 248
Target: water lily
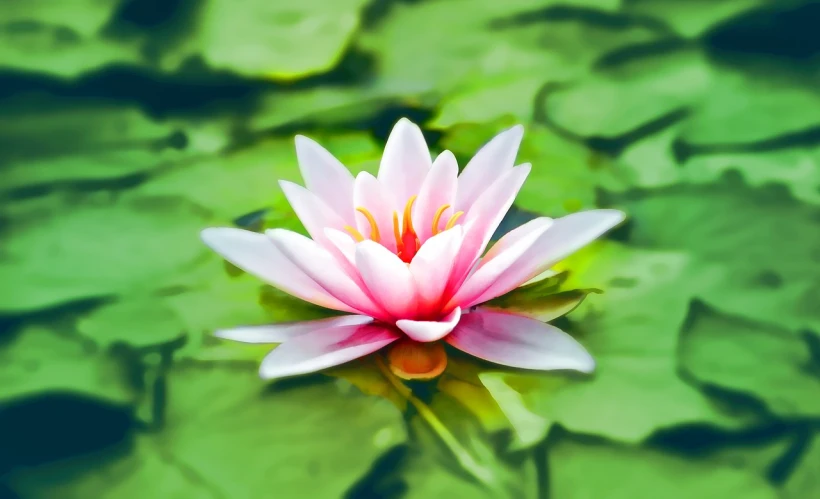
404, 255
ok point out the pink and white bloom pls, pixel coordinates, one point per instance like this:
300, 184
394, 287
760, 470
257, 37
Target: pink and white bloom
404, 254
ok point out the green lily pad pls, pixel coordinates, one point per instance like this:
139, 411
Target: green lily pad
621, 98
690, 18
232, 184
507, 46
95, 249
38, 360
797, 168
282, 41
226, 436
773, 364
755, 260
46, 141
631, 330
137, 321
623, 472
805, 479
565, 175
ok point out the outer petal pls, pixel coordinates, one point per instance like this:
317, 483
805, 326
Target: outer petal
506, 252
323, 268
368, 193
567, 235
518, 341
496, 157
388, 279
345, 245
405, 162
425, 331
484, 217
326, 176
431, 266
312, 211
438, 189
325, 348
257, 255
286, 331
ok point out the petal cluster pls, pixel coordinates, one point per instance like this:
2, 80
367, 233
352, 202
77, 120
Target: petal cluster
404, 253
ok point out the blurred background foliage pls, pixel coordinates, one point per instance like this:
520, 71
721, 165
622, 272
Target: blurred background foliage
129, 125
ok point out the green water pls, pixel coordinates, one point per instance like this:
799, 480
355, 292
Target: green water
127, 126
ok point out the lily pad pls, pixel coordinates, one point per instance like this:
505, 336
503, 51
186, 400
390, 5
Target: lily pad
565, 175
805, 479
510, 45
46, 141
623, 472
756, 260
773, 364
690, 18
39, 360
97, 249
137, 321
226, 436
632, 332
278, 40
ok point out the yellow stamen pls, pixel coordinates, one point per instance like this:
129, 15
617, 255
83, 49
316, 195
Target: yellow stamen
355, 233
452, 221
437, 217
374, 228
408, 218
396, 232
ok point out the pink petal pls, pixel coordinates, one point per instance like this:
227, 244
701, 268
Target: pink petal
312, 211
566, 235
517, 341
256, 254
286, 331
388, 279
344, 244
495, 158
425, 331
504, 254
326, 177
325, 348
484, 217
405, 162
324, 269
438, 189
368, 193
431, 266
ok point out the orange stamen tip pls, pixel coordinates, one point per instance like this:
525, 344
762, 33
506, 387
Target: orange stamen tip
411, 360
408, 215
374, 228
397, 232
355, 233
437, 218
451, 223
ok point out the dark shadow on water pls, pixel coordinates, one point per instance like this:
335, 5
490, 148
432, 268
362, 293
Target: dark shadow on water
55, 426
782, 31
381, 481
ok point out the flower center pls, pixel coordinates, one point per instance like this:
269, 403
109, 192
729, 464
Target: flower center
407, 241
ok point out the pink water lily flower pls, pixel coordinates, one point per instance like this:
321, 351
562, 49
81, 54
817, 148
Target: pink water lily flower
404, 254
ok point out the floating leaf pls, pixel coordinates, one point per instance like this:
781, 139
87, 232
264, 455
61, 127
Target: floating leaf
507, 46
85, 141
137, 321
38, 360
805, 479
772, 364
565, 175
754, 260
632, 332
270, 39
96, 249
225, 436
623, 472
690, 18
